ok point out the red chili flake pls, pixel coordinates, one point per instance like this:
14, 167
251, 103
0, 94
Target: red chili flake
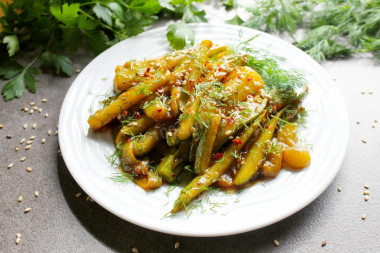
250, 97
276, 127
237, 142
266, 126
239, 77
134, 83
279, 106
160, 90
129, 139
200, 79
173, 175
220, 69
147, 72
241, 108
246, 148
191, 89
275, 108
138, 115
231, 120
218, 156
249, 79
172, 130
159, 110
125, 113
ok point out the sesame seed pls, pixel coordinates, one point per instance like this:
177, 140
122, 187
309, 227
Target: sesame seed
18, 240
58, 126
91, 200
17, 149
27, 210
43, 140
9, 136
324, 243
371, 92
364, 141
19, 198
32, 137
34, 126
56, 133
366, 197
363, 92
334, 79
376, 120
26, 109
10, 165
134, 250
358, 122
39, 110
87, 198
1, 126
44, 100
36, 194
276, 243
28, 147
25, 126
366, 186
364, 216
22, 159
176, 245
170, 133
77, 70
46, 115
29, 142
18, 235
35, 108
373, 125
231, 137
228, 132
49, 132
59, 151
32, 103
28, 169
22, 140
366, 192
31, 111
78, 194
339, 189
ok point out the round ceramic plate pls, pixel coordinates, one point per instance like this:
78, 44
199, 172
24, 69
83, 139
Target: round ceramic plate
216, 213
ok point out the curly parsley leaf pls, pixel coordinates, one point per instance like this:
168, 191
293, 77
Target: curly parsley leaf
178, 34
12, 44
58, 62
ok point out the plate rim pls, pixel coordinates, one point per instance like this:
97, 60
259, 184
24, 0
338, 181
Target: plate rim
70, 164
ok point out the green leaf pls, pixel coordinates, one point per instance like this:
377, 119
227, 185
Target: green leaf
148, 7
166, 4
58, 62
116, 9
30, 82
86, 23
192, 14
97, 40
67, 14
135, 22
10, 69
103, 13
178, 34
235, 20
12, 44
14, 88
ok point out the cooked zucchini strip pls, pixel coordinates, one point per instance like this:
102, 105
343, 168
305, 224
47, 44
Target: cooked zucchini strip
256, 154
131, 97
210, 176
150, 181
206, 143
135, 127
230, 128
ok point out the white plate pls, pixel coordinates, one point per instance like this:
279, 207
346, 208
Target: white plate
256, 207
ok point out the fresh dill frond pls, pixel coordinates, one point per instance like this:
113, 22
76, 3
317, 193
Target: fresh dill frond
121, 178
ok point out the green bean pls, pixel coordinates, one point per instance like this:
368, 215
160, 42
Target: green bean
257, 152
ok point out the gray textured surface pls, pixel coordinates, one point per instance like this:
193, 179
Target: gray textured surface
60, 222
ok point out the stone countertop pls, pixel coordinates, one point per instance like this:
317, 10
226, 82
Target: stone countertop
61, 222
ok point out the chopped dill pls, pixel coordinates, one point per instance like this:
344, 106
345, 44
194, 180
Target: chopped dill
121, 178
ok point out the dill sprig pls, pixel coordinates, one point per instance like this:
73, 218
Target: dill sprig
121, 178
